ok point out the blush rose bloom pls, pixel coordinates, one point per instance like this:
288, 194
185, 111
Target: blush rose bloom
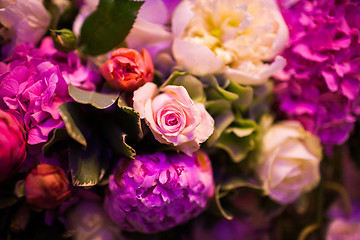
289, 162
173, 117
12, 145
46, 186
127, 69
233, 37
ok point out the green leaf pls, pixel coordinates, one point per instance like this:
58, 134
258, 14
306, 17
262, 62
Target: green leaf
223, 116
245, 94
87, 166
173, 77
98, 100
129, 119
193, 86
215, 91
60, 136
108, 25
73, 119
238, 139
116, 138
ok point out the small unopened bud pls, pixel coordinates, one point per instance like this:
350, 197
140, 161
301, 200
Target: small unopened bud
64, 39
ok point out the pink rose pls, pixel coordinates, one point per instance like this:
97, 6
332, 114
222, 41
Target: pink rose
12, 145
127, 69
46, 186
173, 117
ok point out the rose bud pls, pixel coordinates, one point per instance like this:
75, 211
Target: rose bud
12, 145
289, 162
46, 186
127, 69
155, 192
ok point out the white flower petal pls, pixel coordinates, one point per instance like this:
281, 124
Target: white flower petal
197, 59
250, 75
181, 17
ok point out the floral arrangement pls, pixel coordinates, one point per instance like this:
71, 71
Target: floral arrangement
179, 119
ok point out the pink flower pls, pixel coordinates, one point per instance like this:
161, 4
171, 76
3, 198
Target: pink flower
12, 145
155, 192
320, 84
173, 117
127, 69
46, 186
34, 83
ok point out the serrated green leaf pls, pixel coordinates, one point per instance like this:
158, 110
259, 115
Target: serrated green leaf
87, 166
108, 25
73, 119
116, 139
60, 135
98, 100
129, 119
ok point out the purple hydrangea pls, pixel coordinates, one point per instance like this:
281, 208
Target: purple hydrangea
155, 192
320, 85
34, 83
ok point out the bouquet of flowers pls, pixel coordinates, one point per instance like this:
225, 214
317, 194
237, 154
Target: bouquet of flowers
179, 119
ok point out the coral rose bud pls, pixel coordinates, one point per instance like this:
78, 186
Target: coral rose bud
46, 186
155, 192
127, 69
12, 145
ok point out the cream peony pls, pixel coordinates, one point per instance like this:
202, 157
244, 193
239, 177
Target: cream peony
234, 37
289, 162
173, 117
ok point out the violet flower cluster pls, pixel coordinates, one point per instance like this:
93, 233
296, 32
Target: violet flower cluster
320, 84
34, 83
155, 192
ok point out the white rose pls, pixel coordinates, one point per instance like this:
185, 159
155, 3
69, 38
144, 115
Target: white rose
233, 37
173, 117
289, 162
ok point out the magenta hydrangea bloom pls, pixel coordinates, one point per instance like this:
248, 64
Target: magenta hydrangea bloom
34, 83
320, 85
155, 192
